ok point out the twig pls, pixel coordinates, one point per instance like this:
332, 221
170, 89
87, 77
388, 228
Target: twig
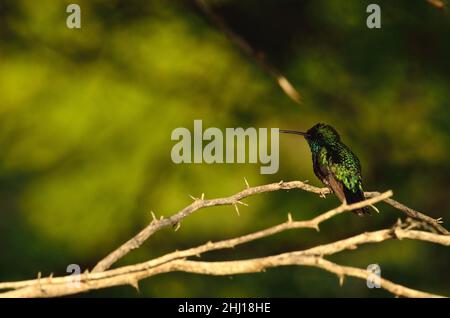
243, 45
437, 4
412, 213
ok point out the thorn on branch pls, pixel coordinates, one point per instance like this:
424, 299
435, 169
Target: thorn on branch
341, 280
289, 218
135, 284
39, 281
242, 203
246, 183
50, 278
177, 226
237, 209
195, 199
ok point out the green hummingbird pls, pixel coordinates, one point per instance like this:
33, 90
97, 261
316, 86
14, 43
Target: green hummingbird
334, 164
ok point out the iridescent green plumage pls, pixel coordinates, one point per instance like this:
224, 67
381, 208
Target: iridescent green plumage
335, 164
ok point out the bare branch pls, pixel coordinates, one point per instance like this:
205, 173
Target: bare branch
46, 287
157, 225
198, 204
197, 251
437, 4
176, 261
243, 45
212, 268
434, 223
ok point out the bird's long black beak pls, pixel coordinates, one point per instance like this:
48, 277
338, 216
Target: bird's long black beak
294, 132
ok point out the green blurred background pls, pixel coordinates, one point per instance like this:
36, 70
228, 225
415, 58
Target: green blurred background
86, 118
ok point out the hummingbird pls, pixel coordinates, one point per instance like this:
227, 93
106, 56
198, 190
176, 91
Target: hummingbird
334, 164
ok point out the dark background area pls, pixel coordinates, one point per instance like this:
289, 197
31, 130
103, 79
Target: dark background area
86, 118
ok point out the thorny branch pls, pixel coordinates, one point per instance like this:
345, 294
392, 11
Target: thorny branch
200, 203
177, 261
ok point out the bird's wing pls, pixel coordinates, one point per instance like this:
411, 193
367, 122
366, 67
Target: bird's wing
345, 167
322, 169
343, 175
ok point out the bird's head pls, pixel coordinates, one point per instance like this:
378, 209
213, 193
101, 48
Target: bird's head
318, 134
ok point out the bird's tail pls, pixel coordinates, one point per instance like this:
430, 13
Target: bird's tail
354, 197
